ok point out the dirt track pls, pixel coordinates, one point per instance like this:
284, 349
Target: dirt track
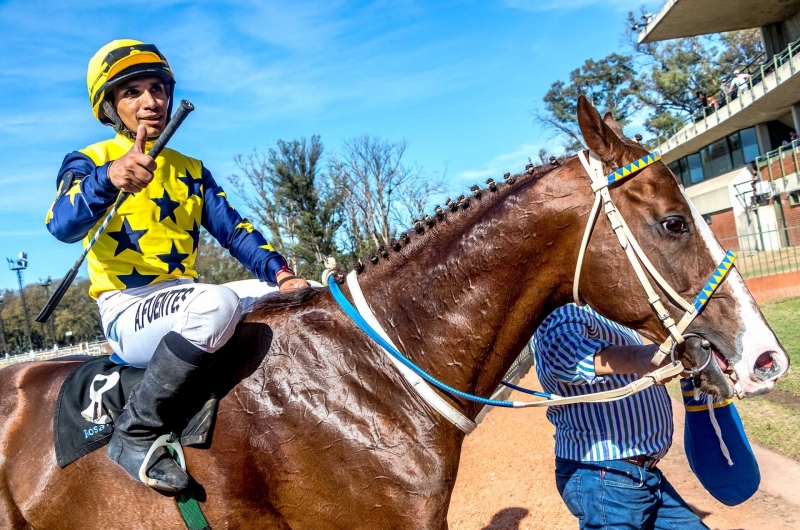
506, 480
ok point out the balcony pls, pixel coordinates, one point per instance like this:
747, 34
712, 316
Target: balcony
780, 169
689, 18
770, 92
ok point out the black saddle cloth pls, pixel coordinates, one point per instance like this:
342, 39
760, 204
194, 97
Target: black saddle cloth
75, 436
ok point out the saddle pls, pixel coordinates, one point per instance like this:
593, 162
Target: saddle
94, 395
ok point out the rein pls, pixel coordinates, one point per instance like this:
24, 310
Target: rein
654, 377
419, 379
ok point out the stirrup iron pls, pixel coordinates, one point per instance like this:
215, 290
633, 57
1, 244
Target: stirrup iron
162, 441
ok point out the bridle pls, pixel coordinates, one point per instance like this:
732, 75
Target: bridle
638, 259
419, 380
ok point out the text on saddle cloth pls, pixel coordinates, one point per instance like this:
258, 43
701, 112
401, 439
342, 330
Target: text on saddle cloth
105, 387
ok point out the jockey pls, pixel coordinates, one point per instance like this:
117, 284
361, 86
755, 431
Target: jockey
141, 268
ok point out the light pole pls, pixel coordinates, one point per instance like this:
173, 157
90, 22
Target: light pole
46, 284
19, 265
2, 328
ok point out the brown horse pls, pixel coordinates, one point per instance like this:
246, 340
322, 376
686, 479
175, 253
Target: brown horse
322, 432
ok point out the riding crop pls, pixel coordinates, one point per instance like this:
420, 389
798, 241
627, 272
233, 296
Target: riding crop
180, 115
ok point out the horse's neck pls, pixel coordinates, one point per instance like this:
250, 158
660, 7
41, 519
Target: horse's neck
463, 302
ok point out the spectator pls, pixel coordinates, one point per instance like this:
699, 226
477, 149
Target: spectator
733, 90
793, 137
702, 99
712, 103
726, 91
740, 80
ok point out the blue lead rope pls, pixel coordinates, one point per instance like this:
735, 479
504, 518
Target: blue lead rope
356, 317
527, 390
699, 303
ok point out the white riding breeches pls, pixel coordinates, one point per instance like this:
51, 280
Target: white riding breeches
135, 320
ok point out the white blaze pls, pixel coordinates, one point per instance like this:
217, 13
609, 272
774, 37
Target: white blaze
757, 337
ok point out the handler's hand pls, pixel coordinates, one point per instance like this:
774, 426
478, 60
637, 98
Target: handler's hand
134, 171
290, 285
646, 365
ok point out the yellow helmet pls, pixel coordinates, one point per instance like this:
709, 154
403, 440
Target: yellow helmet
120, 60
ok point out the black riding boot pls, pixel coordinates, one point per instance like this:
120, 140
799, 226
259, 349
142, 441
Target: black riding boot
159, 405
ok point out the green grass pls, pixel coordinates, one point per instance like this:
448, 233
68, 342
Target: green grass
771, 425
783, 316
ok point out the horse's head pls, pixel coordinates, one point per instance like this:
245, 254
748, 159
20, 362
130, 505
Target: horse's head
746, 357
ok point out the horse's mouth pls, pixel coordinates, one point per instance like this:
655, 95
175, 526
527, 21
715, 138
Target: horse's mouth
723, 376
721, 361
728, 374
718, 376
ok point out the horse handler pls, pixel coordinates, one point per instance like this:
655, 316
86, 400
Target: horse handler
142, 267
607, 454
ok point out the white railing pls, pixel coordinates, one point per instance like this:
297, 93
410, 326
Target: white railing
84, 348
768, 76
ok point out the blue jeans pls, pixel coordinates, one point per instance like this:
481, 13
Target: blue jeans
619, 495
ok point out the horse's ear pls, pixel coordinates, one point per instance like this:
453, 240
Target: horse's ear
597, 134
611, 122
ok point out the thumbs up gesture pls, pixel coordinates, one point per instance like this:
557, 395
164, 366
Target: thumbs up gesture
134, 171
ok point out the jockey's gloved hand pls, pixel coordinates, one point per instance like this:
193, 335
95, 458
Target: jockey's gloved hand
287, 281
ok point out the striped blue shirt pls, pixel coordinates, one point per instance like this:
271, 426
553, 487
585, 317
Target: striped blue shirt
563, 350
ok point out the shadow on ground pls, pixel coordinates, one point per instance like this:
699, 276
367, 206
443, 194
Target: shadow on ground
507, 519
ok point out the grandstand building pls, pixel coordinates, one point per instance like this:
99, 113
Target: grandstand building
738, 157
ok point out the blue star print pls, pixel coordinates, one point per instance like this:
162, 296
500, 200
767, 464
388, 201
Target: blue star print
127, 238
167, 206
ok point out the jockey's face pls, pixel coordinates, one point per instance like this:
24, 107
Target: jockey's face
142, 101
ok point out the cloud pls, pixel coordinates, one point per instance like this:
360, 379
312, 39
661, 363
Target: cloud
512, 162
565, 5
329, 57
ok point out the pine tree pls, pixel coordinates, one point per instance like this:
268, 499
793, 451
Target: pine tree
285, 193
658, 79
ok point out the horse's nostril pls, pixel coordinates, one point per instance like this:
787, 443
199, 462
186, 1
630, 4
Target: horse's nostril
766, 367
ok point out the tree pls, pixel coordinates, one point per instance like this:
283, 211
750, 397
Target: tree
284, 192
379, 192
215, 265
741, 49
76, 312
670, 72
610, 83
658, 78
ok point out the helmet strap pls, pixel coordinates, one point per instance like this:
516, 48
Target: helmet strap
116, 121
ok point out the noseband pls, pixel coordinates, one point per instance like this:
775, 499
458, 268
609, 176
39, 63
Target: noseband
638, 259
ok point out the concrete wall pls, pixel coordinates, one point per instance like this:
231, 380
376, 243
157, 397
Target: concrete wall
778, 35
766, 288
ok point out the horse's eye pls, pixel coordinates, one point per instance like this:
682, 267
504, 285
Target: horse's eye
674, 225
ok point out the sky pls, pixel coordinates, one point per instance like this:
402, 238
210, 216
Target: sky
458, 80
